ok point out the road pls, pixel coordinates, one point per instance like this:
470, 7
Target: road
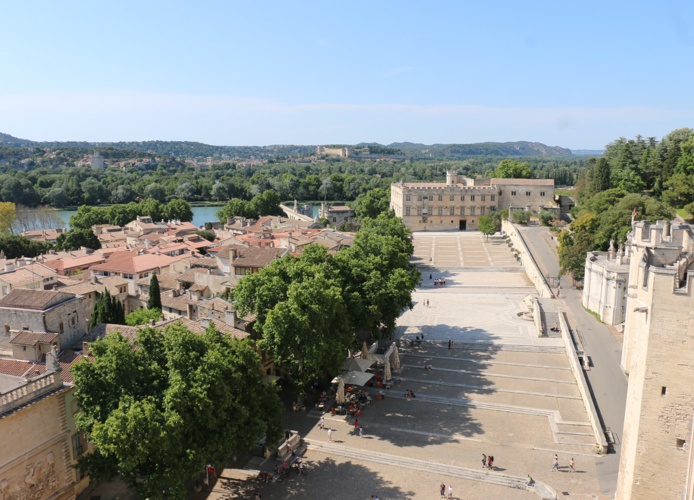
606, 378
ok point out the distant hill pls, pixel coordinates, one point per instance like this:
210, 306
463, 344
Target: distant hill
7, 139
399, 150
520, 148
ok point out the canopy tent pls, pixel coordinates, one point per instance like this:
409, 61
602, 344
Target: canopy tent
386, 370
357, 365
357, 378
268, 379
365, 351
340, 396
395, 358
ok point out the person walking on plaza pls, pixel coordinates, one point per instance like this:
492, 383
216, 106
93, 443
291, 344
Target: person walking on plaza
361, 431
571, 465
450, 491
556, 463
489, 461
484, 460
450, 343
322, 422
531, 481
443, 490
330, 433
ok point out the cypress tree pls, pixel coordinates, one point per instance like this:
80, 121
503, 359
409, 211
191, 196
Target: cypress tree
154, 301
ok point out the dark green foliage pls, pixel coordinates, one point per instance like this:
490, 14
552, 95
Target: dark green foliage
142, 316
372, 203
266, 203
513, 169
107, 309
545, 217
309, 308
520, 216
208, 235
154, 300
15, 246
120, 215
158, 411
76, 239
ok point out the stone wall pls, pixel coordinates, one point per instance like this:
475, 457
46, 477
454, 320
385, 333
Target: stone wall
526, 258
660, 406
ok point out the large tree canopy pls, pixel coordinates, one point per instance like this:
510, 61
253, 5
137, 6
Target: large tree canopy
159, 410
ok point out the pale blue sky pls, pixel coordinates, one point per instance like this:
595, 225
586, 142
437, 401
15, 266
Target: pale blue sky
572, 74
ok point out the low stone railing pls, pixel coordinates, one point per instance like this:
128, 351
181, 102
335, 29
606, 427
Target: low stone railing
33, 389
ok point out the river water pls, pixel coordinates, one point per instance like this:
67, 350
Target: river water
200, 215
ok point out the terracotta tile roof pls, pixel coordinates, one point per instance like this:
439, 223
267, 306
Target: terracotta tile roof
73, 262
130, 332
100, 284
179, 303
189, 275
167, 281
223, 251
127, 263
20, 277
19, 367
256, 257
198, 288
34, 299
33, 338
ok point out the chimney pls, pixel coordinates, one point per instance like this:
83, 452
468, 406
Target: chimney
230, 318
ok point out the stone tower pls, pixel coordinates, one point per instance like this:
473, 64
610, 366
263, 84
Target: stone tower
658, 355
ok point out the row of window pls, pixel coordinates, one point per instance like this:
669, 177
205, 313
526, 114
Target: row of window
483, 197
492, 197
451, 211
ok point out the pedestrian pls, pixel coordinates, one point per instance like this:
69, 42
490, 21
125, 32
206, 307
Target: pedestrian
450, 491
556, 463
450, 343
571, 465
443, 490
322, 422
484, 460
356, 424
530, 481
489, 461
430, 276
330, 433
361, 431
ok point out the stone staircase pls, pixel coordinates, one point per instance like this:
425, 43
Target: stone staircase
540, 489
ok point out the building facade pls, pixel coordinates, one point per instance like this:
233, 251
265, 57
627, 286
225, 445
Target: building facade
605, 285
658, 355
458, 203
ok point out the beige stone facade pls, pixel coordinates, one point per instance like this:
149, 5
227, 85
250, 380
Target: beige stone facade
458, 203
658, 355
605, 285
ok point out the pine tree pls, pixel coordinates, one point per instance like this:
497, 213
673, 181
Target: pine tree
154, 301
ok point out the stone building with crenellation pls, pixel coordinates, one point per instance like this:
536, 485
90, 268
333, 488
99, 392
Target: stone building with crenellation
458, 203
658, 355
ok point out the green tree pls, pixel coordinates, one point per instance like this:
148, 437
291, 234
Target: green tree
153, 208
155, 191
14, 246
177, 209
266, 203
8, 212
372, 203
486, 225
76, 239
545, 217
513, 169
602, 176
160, 409
154, 300
142, 316
520, 216
234, 208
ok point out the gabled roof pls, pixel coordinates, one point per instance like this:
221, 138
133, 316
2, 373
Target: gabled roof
33, 338
256, 257
39, 300
129, 263
98, 284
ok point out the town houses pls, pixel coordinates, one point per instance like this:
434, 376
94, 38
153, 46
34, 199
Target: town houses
46, 304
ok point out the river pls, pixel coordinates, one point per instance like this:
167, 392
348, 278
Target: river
200, 215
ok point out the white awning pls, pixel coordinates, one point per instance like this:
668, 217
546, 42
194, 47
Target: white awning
357, 364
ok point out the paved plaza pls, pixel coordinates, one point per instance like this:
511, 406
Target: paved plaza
499, 390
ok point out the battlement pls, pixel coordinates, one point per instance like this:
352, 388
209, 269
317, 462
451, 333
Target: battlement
662, 232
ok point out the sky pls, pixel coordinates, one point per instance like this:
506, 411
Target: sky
570, 74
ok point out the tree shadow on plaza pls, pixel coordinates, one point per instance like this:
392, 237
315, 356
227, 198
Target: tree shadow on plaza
327, 478
439, 412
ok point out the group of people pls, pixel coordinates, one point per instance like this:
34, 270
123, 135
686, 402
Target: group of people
439, 281
555, 465
487, 461
443, 490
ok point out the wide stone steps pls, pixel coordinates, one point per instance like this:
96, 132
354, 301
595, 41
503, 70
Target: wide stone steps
506, 480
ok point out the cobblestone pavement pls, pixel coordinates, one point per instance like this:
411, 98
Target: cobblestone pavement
500, 390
